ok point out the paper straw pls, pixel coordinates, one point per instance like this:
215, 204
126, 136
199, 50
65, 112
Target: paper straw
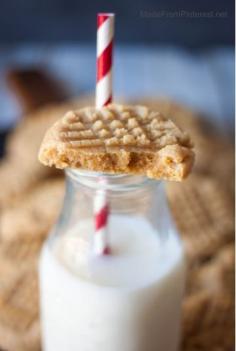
105, 33
101, 214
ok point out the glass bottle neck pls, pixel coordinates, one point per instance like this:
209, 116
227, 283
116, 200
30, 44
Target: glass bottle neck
112, 182
125, 194
132, 198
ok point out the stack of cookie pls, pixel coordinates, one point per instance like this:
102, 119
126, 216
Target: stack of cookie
202, 206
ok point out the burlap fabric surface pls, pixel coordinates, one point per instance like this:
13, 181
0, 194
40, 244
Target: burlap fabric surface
202, 206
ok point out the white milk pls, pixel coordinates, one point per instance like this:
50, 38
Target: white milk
129, 301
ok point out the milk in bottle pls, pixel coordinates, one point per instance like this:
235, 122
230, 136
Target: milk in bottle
129, 300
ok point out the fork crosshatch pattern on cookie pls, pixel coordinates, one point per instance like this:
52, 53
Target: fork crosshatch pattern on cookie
119, 139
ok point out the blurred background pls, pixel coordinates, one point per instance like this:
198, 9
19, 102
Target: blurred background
175, 56
180, 49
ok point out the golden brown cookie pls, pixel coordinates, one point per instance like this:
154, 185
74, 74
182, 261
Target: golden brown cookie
19, 323
214, 153
32, 215
119, 139
23, 144
215, 276
21, 252
215, 157
208, 322
16, 179
21, 169
203, 213
181, 115
27, 137
24, 227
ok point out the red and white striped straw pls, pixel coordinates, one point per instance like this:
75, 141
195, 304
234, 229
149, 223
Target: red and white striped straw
101, 213
105, 33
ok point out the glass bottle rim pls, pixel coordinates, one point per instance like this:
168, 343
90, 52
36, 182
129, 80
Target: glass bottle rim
108, 181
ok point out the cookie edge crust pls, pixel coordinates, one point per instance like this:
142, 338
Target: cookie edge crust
172, 162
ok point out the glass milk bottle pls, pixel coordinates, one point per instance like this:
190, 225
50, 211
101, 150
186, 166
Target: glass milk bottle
129, 300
